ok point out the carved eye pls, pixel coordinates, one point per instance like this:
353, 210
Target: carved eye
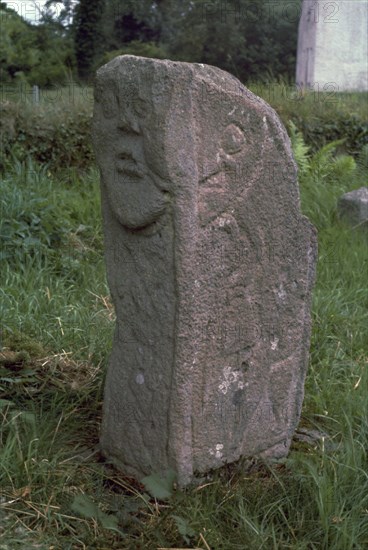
233, 139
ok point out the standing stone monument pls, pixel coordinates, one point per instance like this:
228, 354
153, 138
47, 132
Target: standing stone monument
333, 45
210, 265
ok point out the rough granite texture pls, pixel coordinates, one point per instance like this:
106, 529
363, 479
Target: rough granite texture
210, 265
333, 46
353, 207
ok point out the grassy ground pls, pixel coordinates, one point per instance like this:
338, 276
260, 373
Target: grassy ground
281, 95
289, 101
318, 102
69, 95
56, 490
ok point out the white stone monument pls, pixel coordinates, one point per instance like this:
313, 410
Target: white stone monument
333, 45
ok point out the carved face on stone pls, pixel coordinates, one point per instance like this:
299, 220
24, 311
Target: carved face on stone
129, 149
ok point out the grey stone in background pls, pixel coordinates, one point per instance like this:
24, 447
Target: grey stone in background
353, 207
210, 265
36, 94
333, 46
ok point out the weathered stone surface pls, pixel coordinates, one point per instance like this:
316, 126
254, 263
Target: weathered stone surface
210, 265
353, 207
333, 46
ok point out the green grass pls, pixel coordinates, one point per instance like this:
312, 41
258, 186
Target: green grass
321, 103
69, 95
286, 98
58, 493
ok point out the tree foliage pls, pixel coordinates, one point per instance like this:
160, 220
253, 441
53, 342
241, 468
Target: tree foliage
253, 39
88, 35
18, 51
40, 54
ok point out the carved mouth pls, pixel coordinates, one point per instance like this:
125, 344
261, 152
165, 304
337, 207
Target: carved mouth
126, 164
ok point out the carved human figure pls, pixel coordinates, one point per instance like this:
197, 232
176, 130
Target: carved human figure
127, 153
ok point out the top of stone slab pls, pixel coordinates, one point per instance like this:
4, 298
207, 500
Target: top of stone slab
122, 63
140, 75
163, 101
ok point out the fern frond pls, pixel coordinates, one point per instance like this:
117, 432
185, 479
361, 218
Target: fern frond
343, 167
362, 160
321, 162
300, 149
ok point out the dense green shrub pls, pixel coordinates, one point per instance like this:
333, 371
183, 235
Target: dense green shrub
57, 131
322, 117
58, 136
30, 226
39, 54
319, 132
34, 226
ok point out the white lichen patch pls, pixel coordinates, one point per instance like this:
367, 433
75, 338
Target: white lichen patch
281, 293
217, 451
274, 343
231, 377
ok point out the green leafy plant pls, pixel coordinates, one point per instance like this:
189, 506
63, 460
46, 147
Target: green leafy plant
323, 176
160, 486
57, 133
87, 508
184, 528
322, 164
300, 149
352, 129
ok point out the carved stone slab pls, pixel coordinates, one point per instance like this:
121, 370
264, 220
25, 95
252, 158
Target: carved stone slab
333, 46
210, 265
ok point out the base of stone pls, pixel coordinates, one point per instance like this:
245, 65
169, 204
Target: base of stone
271, 455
